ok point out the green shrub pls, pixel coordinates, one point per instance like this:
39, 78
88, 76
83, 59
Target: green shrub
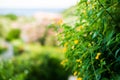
2, 49
92, 45
11, 16
13, 34
18, 46
33, 67
49, 69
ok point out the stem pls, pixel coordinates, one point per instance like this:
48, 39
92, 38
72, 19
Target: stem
93, 67
106, 11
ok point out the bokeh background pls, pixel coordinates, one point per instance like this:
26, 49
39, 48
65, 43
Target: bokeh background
29, 46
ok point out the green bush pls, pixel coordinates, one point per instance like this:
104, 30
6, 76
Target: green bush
92, 45
13, 34
49, 69
41, 66
11, 16
2, 49
18, 46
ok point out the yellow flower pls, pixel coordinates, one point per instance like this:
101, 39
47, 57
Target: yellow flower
79, 78
78, 60
79, 28
64, 61
64, 49
75, 73
98, 55
65, 44
60, 22
76, 41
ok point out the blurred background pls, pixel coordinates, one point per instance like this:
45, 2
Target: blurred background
29, 46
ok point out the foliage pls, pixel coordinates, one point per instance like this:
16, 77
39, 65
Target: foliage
92, 45
35, 66
2, 49
18, 46
11, 17
13, 34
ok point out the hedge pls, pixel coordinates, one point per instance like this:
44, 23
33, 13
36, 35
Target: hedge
34, 66
92, 44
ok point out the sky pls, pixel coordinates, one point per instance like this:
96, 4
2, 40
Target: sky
31, 4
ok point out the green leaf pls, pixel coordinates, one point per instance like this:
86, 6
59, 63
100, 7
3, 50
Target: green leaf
116, 53
100, 13
109, 35
95, 34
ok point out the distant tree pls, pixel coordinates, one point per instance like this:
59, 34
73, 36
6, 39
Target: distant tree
11, 16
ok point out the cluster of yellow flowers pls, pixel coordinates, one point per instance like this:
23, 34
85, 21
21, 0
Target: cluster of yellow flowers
78, 60
60, 22
64, 61
65, 45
